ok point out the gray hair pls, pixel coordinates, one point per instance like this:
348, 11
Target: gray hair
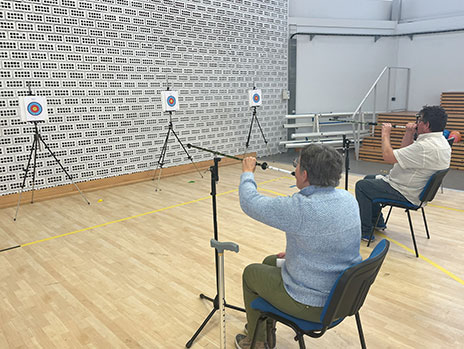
322, 163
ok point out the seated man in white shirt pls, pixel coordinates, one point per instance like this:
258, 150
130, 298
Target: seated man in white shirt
414, 163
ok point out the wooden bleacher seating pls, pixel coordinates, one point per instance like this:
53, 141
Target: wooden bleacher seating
453, 102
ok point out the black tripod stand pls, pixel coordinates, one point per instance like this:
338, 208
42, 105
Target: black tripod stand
346, 152
163, 152
253, 118
36, 147
214, 178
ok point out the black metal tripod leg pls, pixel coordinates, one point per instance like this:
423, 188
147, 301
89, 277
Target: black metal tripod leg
190, 342
34, 166
162, 156
163, 149
234, 307
62, 167
259, 126
249, 131
186, 152
26, 170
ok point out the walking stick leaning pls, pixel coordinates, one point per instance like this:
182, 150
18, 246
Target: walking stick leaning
220, 248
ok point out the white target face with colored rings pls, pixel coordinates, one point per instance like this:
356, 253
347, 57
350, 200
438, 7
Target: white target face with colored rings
33, 108
169, 100
254, 98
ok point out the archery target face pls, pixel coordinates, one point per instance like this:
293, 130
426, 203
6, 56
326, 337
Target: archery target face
170, 100
255, 99
33, 108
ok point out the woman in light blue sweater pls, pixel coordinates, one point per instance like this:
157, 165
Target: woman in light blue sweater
323, 232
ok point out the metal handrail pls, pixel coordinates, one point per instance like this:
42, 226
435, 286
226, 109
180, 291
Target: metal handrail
373, 88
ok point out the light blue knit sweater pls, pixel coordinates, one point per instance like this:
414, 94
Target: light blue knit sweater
323, 232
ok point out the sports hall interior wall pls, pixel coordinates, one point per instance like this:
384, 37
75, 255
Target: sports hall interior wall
334, 73
102, 65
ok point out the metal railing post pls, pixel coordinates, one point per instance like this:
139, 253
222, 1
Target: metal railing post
375, 103
388, 90
407, 88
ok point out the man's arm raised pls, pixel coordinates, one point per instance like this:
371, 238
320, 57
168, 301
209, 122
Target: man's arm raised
387, 150
408, 137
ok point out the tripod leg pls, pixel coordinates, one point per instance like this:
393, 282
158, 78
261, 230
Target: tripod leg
34, 166
26, 170
249, 131
261, 130
62, 167
161, 158
186, 152
190, 342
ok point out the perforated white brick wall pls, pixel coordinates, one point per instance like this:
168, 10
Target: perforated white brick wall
102, 65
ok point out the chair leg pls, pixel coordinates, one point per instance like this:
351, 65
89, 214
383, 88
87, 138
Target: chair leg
388, 216
301, 341
258, 322
373, 228
412, 233
425, 223
360, 331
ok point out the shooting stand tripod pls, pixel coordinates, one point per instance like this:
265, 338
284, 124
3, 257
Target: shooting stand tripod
346, 152
253, 118
36, 147
216, 304
163, 152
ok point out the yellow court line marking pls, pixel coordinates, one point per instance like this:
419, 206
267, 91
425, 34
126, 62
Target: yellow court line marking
446, 208
451, 275
136, 216
118, 220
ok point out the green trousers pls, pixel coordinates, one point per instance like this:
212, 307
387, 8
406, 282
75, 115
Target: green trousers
265, 280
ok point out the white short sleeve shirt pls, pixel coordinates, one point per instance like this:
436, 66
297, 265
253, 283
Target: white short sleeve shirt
416, 164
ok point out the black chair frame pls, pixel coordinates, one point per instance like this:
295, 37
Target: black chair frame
347, 297
428, 194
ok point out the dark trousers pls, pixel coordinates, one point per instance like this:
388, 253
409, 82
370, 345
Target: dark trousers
265, 280
367, 190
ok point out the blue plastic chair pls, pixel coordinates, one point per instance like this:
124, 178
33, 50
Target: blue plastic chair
427, 194
345, 299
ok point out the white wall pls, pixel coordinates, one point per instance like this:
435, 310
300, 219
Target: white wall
435, 59
419, 10
334, 73
436, 63
348, 9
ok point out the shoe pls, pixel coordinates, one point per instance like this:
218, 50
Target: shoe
270, 333
243, 342
365, 237
381, 228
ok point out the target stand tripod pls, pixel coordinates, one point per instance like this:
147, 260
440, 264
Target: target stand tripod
162, 156
346, 152
254, 118
33, 154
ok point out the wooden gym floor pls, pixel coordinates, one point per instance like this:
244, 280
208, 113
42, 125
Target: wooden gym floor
127, 271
